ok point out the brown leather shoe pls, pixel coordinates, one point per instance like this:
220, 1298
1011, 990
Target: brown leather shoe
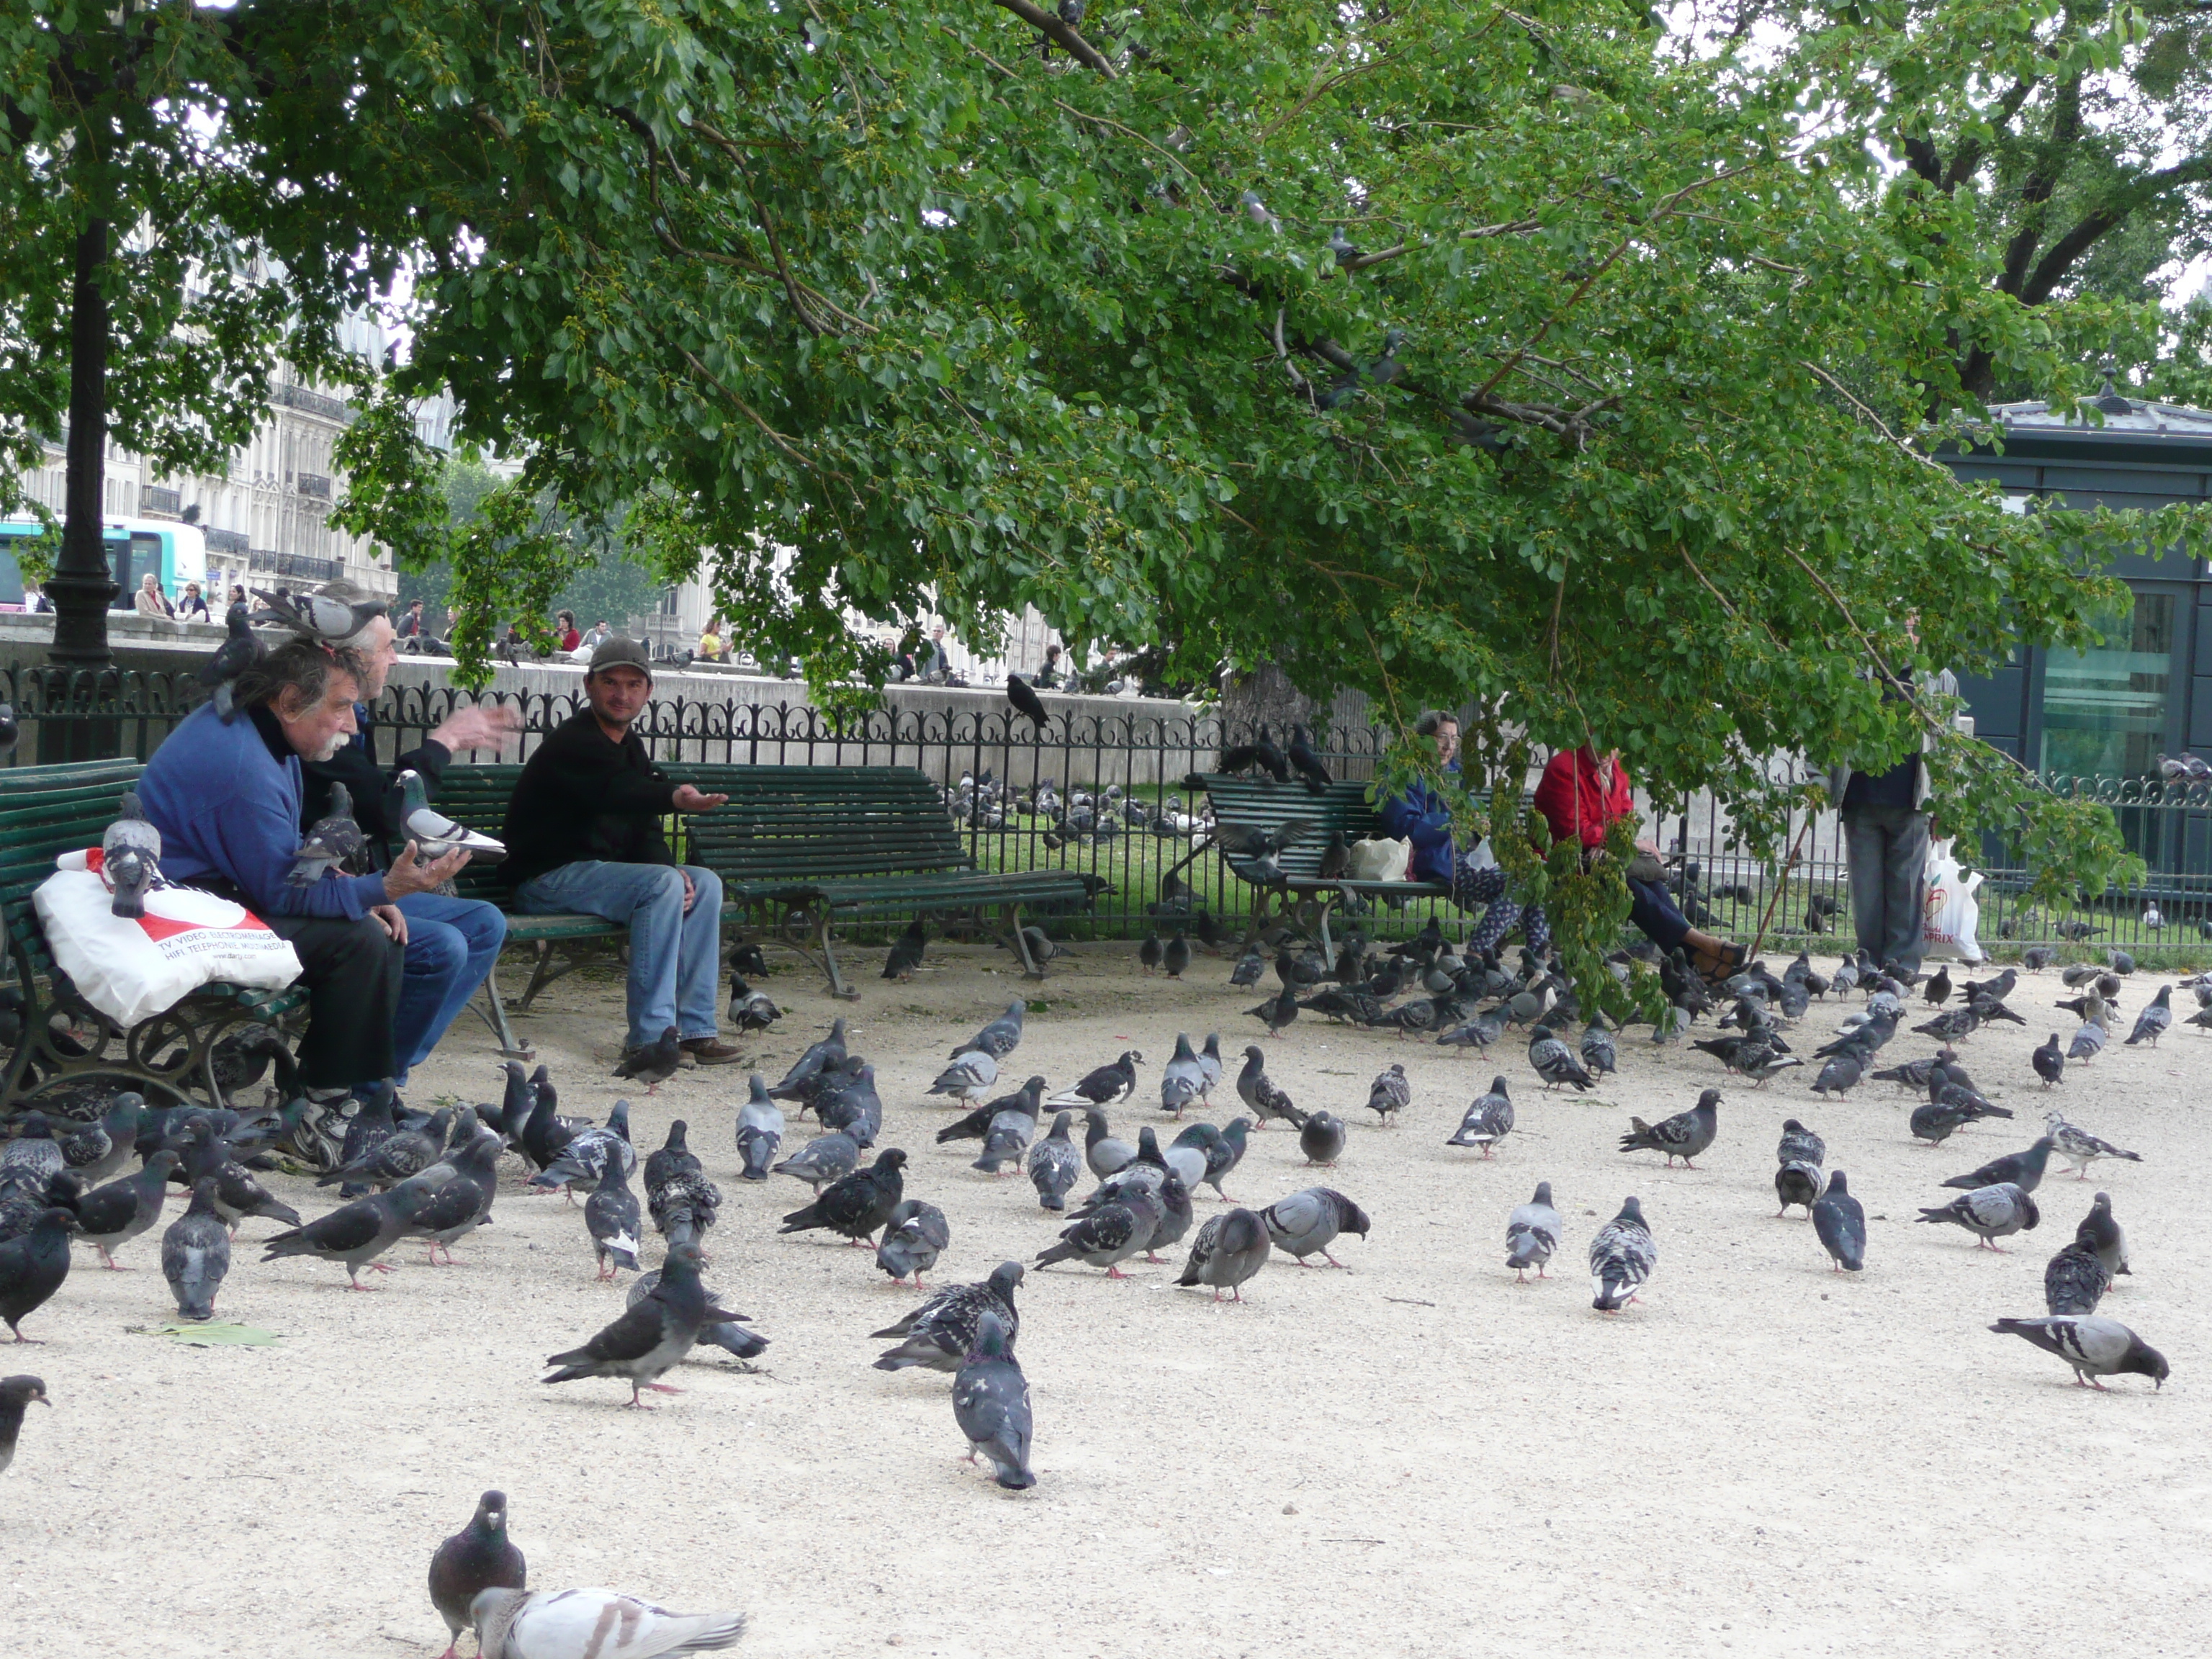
710, 1051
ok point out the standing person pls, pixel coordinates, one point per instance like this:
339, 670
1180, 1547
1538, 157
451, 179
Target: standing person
190, 607
1886, 834
934, 664
1420, 816
150, 600
452, 943
564, 624
1581, 796
226, 796
583, 834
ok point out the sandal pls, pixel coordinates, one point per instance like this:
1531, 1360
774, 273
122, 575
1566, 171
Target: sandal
1717, 967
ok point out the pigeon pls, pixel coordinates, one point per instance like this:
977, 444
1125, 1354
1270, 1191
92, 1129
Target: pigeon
1278, 1012
817, 1058
855, 1205
1256, 1091
760, 1132
1621, 1258
1838, 1074
822, 1160
1107, 1155
1488, 1121
1174, 955
1532, 1233
1209, 1062
238, 1194
1182, 1080
354, 1234
317, 617
1799, 1144
1797, 1182
1990, 1213
2049, 1062
457, 1195
2101, 1231
238, 652
96, 1151
1001, 1037
1054, 1164
33, 1266
478, 1557
1553, 1061
2093, 1345
1684, 1135
991, 1403
906, 953
1598, 1051
110, 1217
34, 1156
652, 1063
971, 1076
848, 1102
1247, 970
1320, 1138
1389, 1094
1952, 1025
2152, 1023
387, 1159
196, 1253
2023, 1170
334, 839
1305, 762
651, 1337
435, 835
594, 1623
2075, 1281
1019, 691
1937, 991
589, 1152
131, 858
674, 1157
1103, 1086
1839, 1222
1307, 1223
611, 1217
1111, 1234
1151, 952
941, 1331
17, 1395
2080, 1148
1229, 1249
914, 1234
2088, 1043
751, 1010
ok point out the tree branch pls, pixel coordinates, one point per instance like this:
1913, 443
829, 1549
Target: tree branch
1843, 391
2101, 221
1077, 47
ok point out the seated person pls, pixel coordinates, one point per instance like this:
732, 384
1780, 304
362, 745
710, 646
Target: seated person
583, 835
452, 943
1580, 796
1421, 817
226, 800
1047, 675
568, 635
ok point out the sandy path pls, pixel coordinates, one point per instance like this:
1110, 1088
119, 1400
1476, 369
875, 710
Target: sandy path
1761, 1455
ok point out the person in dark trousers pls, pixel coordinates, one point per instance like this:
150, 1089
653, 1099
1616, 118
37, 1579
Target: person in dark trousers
452, 943
411, 624
1886, 835
583, 834
226, 800
1421, 817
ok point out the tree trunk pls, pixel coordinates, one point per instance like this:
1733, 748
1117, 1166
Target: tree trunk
82, 584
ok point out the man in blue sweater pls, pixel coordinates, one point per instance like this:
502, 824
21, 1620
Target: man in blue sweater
226, 797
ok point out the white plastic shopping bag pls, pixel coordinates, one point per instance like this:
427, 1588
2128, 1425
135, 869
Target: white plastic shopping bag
1953, 914
1379, 858
131, 968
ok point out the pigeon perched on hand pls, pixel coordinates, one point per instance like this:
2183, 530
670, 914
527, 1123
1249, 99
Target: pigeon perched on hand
1684, 1135
334, 839
478, 1557
2093, 1345
1532, 1233
1621, 1257
435, 835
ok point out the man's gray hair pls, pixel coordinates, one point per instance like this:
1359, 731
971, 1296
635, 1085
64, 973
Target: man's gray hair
299, 666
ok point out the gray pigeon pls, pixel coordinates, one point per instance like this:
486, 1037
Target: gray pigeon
2023, 1170
760, 1132
1799, 1144
1109, 1235
1389, 1094
912, 1238
652, 1063
1320, 1138
2088, 1043
612, 1219
331, 841
1839, 1221
478, 1557
577, 1624
971, 1077
649, 1339
1554, 1062
1054, 1164
1307, 1223
1621, 1258
16, 1394
1598, 1053
354, 1234
1990, 1213
1229, 1249
112, 1216
1001, 1036
1106, 1154
2153, 1022
1256, 1091
1532, 1233
1489, 1120
991, 1403
822, 1160
2101, 1231
1684, 1135
2075, 1281
1010, 1129
2093, 1345
1797, 1182
34, 1156
1183, 1079
196, 1253
941, 1331
2080, 1148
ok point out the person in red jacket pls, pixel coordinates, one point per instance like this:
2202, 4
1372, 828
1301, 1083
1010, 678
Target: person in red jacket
1582, 794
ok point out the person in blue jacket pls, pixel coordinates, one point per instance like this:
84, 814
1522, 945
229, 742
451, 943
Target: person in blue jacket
1420, 816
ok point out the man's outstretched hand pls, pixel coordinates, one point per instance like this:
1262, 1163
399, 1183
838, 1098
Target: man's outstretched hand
689, 799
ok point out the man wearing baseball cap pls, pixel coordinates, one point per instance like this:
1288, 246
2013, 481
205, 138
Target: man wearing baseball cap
583, 835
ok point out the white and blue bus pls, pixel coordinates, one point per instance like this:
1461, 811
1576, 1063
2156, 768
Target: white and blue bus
173, 552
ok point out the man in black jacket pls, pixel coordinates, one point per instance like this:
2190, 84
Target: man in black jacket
583, 835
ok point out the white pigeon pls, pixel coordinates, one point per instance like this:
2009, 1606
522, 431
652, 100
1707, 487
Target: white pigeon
592, 1623
433, 833
971, 1077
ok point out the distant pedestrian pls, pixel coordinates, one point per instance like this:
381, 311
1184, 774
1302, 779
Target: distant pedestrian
411, 625
150, 600
1048, 675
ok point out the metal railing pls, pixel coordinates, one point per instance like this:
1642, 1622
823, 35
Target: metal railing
1145, 754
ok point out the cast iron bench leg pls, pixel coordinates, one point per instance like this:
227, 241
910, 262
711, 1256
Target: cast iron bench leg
493, 1011
1259, 916
548, 970
827, 945
1031, 969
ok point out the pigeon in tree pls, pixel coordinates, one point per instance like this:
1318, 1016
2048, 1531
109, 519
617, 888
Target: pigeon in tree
855, 1205
2080, 1148
652, 1063
906, 953
1054, 1164
1990, 1213
334, 839
2153, 1022
751, 1010
1554, 1062
435, 835
914, 1235
612, 1219
1489, 1120
196, 1253
2023, 1170
131, 858
1107, 1154
17, 1393
110, 1217
1389, 1094
33, 1266
1684, 1135
594, 1623
650, 1338
1103, 1086
1532, 1233
971, 1077
478, 1557
1019, 691
2075, 1281
1621, 1259
941, 1333
1839, 1222
2093, 1345
1307, 1223
1229, 1249
1257, 1090
1320, 1138
991, 1403
2101, 1231
760, 1132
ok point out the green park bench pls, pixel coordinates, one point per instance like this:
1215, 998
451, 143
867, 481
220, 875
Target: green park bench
64, 1041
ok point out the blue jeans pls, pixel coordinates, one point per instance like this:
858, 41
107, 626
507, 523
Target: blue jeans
1652, 908
450, 946
675, 957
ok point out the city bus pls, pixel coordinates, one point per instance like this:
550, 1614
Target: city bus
176, 553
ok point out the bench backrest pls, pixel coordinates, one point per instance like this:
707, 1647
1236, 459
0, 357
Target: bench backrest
45, 810
1256, 802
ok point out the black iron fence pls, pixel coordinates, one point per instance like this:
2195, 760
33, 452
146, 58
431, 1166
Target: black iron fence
1143, 754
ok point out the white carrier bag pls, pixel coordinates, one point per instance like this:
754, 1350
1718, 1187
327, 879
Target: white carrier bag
1951, 914
131, 968
1379, 858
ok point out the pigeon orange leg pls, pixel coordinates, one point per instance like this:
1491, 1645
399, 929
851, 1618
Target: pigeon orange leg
663, 1387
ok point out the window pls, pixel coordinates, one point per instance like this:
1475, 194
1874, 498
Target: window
2106, 710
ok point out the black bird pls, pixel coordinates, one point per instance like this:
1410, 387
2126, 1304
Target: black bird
1103, 1086
856, 1204
1307, 764
478, 1557
1175, 956
1938, 988
1840, 1222
1278, 1012
651, 1337
354, 1234
1320, 1138
751, 1010
653, 1063
675, 1157
33, 1267
2075, 1281
1271, 758
2050, 1061
941, 1331
611, 1217
1150, 952
232, 658
1023, 696
1684, 1135
906, 953
2023, 1170
16, 1393
110, 1217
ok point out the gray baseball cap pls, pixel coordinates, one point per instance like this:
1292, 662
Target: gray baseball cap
616, 652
